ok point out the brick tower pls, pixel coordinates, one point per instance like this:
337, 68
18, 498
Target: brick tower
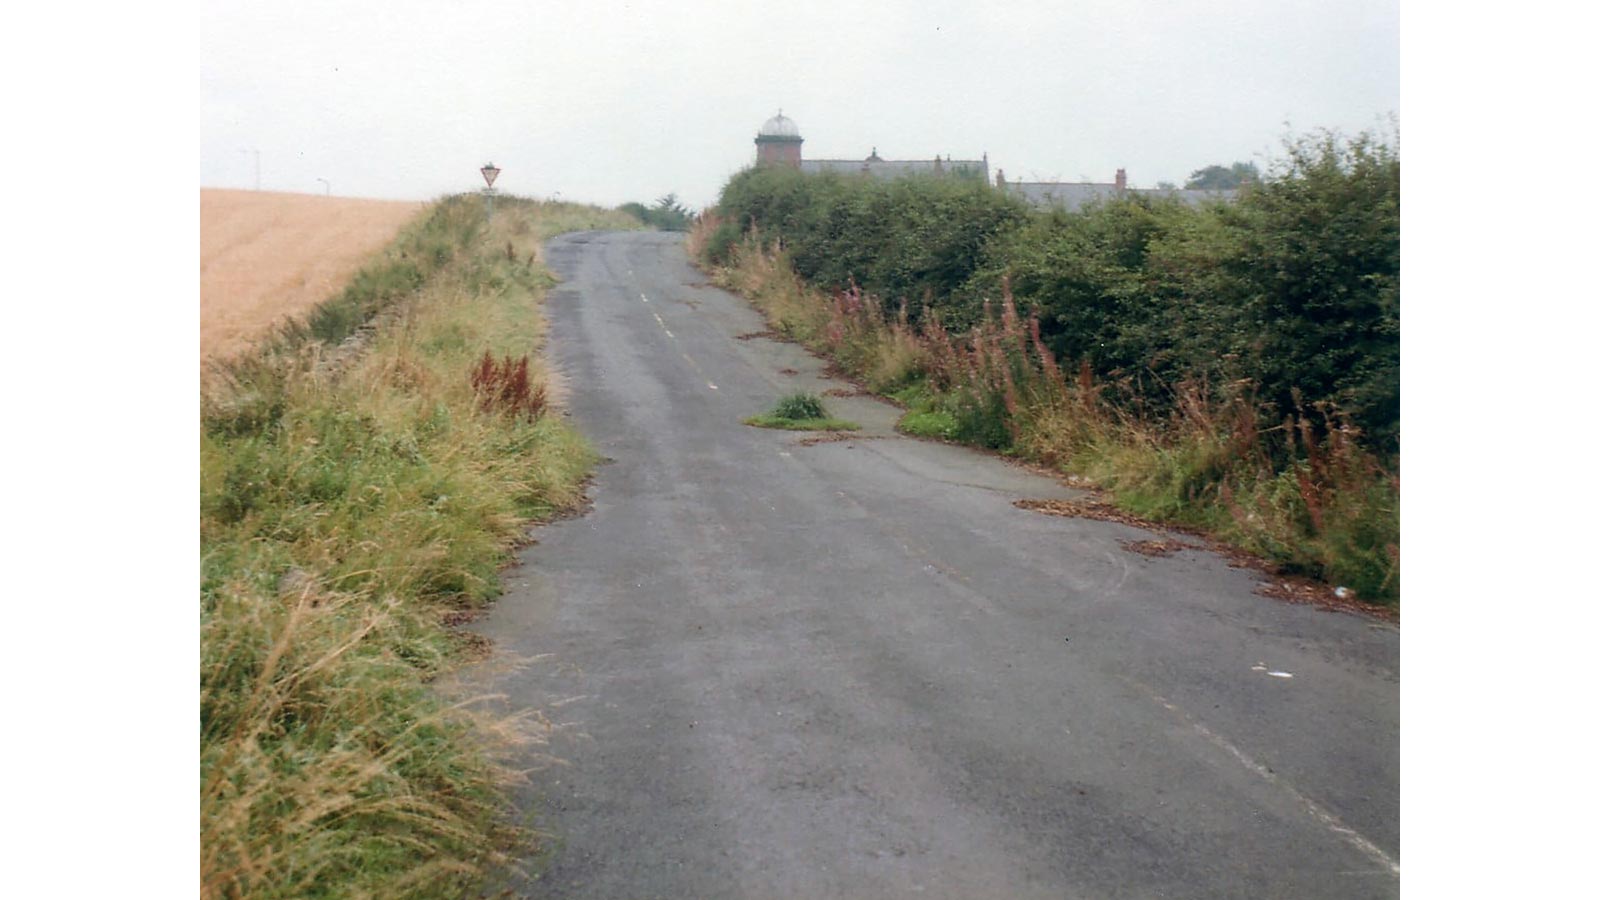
778, 142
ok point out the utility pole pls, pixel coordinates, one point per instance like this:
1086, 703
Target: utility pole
327, 189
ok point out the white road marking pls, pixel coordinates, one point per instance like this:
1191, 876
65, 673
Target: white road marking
1373, 851
662, 322
696, 367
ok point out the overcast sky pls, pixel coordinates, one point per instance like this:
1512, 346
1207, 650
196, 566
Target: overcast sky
608, 101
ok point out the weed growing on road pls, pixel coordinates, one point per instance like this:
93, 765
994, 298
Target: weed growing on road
800, 412
345, 514
799, 406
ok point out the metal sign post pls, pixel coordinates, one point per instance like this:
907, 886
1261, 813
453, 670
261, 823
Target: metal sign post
490, 173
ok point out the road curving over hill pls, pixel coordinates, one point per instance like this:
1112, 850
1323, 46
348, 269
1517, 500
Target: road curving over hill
787, 667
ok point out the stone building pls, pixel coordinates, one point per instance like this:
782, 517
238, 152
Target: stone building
1074, 196
778, 143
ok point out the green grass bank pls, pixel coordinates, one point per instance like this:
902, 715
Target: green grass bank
356, 497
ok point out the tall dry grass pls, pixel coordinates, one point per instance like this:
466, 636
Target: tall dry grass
351, 504
329, 768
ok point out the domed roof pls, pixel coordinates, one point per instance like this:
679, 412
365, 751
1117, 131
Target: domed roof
779, 126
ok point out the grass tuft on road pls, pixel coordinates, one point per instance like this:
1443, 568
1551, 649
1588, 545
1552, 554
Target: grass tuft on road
353, 501
800, 412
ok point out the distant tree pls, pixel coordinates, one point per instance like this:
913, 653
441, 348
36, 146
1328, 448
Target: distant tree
670, 214
1166, 186
667, 214
1222, 178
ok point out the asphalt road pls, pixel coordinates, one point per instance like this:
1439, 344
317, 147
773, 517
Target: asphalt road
855, 669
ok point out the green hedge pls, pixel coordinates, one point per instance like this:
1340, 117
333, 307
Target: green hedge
1295, 287
917, 240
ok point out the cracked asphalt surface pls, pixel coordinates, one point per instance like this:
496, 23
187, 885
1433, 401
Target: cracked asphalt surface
855, 669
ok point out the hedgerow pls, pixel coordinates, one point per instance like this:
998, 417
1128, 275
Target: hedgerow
1294, 288
1232, 366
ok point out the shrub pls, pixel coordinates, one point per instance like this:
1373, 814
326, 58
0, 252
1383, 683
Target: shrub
799, 406
800, 412
913, 241
667, 214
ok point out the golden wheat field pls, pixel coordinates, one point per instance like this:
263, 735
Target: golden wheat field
265, 256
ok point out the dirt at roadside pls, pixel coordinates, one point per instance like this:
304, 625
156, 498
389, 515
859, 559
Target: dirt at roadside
266, 256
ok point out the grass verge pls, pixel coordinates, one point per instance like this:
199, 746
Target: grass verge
351, 505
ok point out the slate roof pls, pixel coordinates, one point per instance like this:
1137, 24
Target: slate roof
1070, 197
1074, 196
886, 169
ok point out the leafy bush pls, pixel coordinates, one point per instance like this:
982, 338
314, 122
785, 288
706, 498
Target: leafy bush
913, 241
1317, 259
800, 406
800, 412
667, 214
